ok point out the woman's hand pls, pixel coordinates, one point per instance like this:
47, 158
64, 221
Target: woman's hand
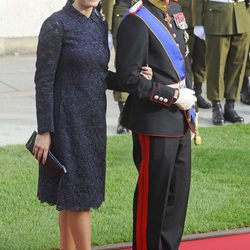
147, 72
41, 147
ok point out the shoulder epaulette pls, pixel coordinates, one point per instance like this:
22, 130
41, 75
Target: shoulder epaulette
135, 7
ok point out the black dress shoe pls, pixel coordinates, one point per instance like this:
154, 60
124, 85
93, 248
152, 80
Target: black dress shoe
121, 130
218, 118
230, 115
202, 103
245, 99
245, 91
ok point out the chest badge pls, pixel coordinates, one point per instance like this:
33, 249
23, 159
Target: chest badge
180, 21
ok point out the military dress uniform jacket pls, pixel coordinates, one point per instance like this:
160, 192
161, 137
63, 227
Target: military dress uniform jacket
107, 8
149, 108
220, 18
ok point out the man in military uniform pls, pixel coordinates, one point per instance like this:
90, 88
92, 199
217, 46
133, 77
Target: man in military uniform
114, 11
245, 91
107, 8
197, 54
225, 25
156, 112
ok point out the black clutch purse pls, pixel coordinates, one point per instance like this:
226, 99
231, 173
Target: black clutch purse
52, 166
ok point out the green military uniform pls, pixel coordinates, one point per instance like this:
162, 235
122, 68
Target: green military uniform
197, 49
247, 72
195, 44
107, 8
226, 26
114, 11
245, 91
118, 12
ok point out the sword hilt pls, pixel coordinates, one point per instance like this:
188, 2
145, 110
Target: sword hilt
197, 137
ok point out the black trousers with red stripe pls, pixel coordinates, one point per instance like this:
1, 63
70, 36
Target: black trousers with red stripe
161, 195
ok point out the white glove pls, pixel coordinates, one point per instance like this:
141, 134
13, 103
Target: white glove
186, 99
110, 40
200, 32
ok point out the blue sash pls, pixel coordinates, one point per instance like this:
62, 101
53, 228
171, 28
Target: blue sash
168, 44
165, 39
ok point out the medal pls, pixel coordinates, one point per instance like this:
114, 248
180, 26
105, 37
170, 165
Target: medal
180, 21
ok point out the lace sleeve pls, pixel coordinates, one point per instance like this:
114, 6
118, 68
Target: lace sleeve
48, 54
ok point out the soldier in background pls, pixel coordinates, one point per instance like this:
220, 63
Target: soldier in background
197, 55
114, 11
245, 91
225, 26
107, 8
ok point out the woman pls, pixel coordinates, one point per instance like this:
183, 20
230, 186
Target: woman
71, 79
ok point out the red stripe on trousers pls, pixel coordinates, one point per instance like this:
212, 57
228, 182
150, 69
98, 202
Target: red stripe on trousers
142, 202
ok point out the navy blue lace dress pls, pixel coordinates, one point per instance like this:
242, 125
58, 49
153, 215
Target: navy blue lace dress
71, 79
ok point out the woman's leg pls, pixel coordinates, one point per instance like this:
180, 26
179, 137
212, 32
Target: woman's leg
80, 225
66, 238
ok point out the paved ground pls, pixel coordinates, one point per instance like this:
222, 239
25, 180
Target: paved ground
17, 103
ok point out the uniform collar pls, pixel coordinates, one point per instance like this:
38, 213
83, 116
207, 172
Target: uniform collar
155, 11
162, 5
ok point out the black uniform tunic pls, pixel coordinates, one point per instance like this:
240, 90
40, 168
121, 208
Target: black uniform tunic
72, 63
137, 46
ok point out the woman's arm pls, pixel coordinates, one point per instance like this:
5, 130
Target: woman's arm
48, 53
112, 79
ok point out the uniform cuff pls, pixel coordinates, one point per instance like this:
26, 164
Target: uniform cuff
162, 94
